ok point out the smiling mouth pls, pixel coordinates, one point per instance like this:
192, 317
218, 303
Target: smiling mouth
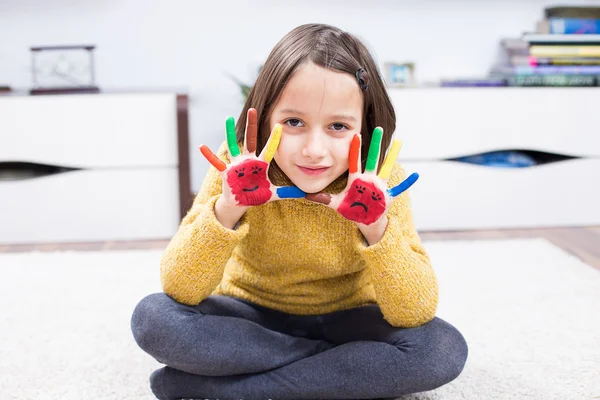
359, 204
251, 190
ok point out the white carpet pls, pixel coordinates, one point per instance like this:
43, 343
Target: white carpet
529, 311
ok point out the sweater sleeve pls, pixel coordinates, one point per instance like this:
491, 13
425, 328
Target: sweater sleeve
404, 281
193, 263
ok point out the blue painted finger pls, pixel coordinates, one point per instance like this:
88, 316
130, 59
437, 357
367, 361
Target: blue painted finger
408, 182
290, 192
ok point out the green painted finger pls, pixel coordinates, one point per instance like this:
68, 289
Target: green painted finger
234, 149
374, 149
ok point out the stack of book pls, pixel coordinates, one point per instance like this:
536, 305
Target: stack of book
564, 51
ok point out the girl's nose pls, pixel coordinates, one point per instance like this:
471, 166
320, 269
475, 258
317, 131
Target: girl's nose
314, 147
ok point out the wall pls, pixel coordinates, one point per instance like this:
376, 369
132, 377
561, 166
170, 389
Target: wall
189, 44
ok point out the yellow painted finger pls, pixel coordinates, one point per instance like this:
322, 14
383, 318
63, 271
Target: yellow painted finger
273, 143
390, 159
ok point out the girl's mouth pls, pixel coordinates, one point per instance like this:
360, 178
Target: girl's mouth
313, 171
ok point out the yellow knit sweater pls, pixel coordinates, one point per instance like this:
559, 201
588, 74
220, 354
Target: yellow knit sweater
301, 258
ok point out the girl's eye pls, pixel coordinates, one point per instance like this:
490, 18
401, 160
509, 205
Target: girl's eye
293, 122
338, 127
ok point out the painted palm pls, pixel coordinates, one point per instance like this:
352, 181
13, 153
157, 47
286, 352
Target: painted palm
245, 179
366, 197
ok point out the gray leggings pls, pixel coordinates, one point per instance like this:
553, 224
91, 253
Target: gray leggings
228, 348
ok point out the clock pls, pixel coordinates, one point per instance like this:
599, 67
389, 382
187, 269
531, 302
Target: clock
63, 69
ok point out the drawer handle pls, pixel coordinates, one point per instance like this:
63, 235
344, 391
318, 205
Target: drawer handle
512, 158
18, 171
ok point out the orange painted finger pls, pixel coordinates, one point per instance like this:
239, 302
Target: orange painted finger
213, 159
353, 156
251, 130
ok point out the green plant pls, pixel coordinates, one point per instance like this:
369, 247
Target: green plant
245, 88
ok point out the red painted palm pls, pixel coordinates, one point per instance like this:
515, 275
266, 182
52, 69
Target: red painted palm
366, 198
245, 179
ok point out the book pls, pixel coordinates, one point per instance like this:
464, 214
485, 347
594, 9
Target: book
549, 38
473, 82
537, 50
553, 80
569, 26
543, 61
547, 70
515, 46
572, 12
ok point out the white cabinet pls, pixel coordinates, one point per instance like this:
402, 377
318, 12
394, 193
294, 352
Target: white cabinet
123, 152
436, 124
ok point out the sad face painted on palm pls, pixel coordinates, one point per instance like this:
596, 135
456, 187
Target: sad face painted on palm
366, 197
364, 202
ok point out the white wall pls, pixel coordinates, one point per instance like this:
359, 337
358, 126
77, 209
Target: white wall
188, 44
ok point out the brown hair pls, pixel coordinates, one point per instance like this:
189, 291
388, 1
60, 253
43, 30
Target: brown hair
328, 47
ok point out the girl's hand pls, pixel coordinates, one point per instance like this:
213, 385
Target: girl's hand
245, 179
366, 197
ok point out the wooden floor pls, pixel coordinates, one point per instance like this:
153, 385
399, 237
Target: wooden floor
582, 242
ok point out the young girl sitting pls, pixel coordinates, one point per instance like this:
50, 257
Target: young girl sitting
298, 272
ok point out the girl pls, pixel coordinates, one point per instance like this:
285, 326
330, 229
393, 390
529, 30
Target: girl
271, 294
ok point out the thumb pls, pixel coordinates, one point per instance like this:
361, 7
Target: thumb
323, 198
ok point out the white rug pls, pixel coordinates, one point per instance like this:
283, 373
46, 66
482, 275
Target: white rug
529, 311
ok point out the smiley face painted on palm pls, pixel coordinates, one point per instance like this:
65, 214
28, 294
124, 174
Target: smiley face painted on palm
249, 184
363, 203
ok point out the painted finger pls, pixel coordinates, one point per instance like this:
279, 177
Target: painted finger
234, 149
390, 159
404, 185
290, 192
354, 156
269, 151
212, 158
323, 198
251, 131
374, 149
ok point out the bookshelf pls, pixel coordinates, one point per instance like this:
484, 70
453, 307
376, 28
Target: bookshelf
564, 50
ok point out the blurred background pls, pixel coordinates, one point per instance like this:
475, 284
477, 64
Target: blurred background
189, 45
205, 52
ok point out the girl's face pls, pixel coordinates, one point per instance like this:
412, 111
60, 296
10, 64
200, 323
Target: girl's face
320, 110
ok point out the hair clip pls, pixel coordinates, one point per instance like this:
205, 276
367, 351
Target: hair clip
361, 80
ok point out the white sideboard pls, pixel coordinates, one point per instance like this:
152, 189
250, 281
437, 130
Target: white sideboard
436, 124
126, 156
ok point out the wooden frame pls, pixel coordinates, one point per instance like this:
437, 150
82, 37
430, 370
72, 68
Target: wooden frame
186, 197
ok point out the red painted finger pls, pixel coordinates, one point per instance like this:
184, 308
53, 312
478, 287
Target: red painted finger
251, 130
214, 160
353, 156
323, 198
